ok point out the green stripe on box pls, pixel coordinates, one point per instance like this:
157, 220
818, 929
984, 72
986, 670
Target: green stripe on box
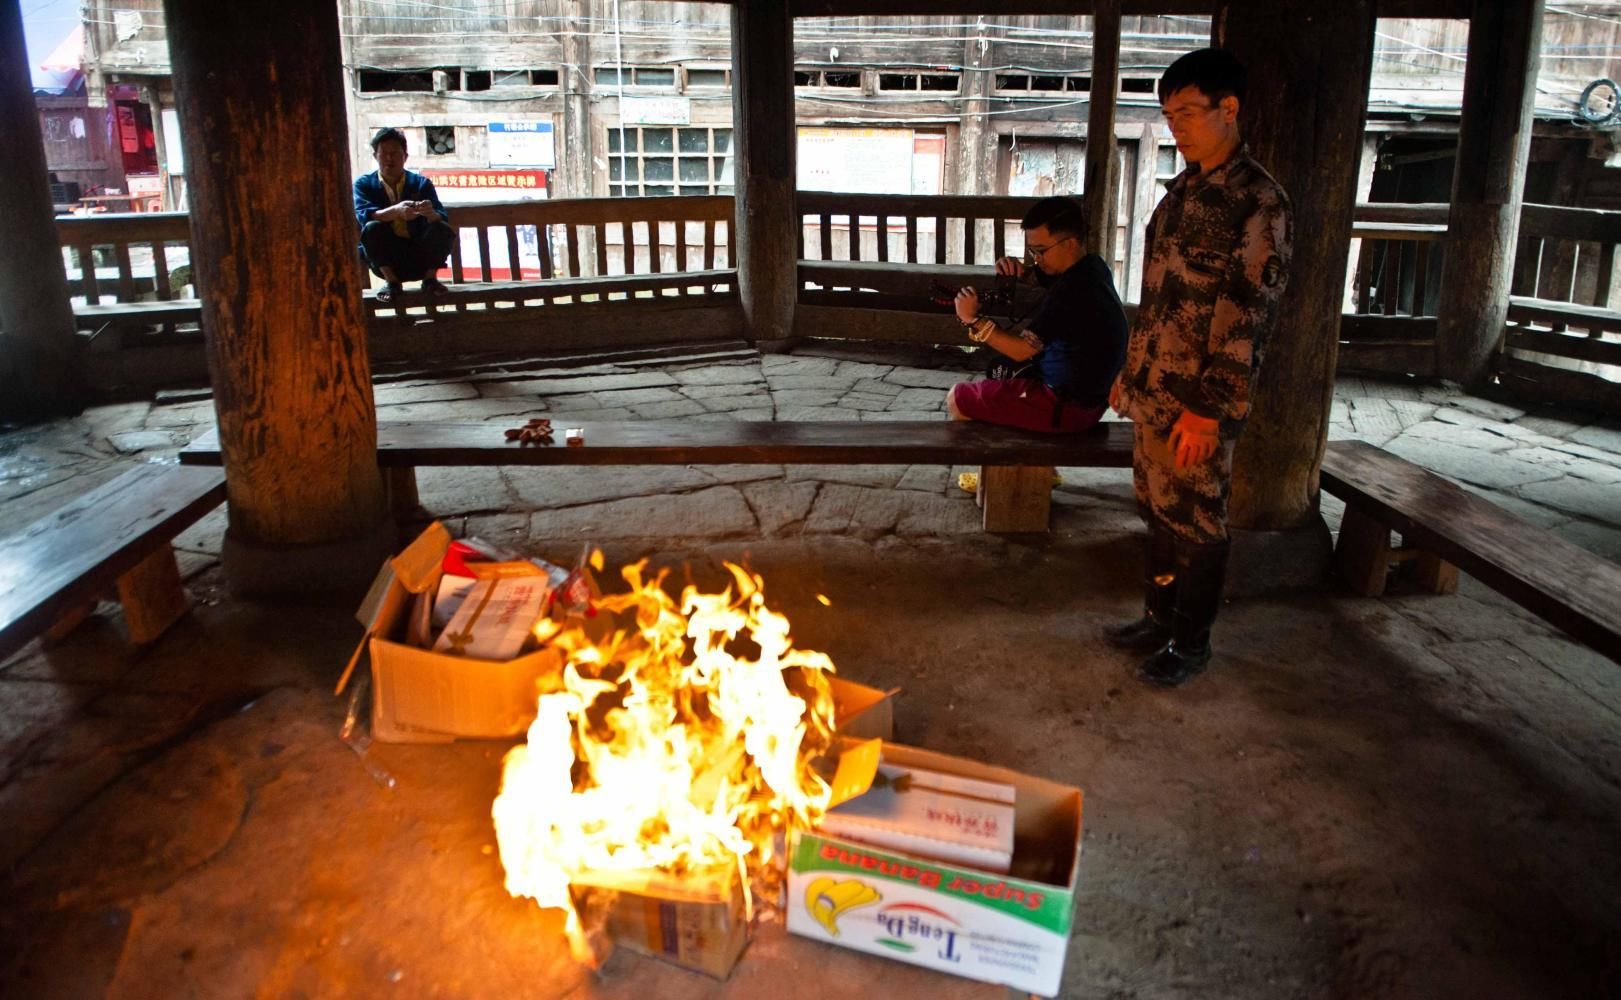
1041, 905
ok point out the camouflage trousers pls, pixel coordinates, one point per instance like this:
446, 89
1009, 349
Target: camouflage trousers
1191, 502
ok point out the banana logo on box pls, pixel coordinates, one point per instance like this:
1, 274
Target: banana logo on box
827, 899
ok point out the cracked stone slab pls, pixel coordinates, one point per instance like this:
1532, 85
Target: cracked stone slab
1575, 465
207, 534
725, 404
716, 512
876, 387
879, 476
740, 374
919, 399
922, 378
563, 386
131, 442
1599, 539
31, 709
1598, 501
777, 364
544, 488
667, 411
925, 478
718, 391
1488, 469
421, 392
921, 416
630, 397
1500, 412
464, 411
816, 413
869, 513
862, 369
778, 505
1604, 438
1459, 436
450, 492
827, 383
861, 401
181, 415
807, 397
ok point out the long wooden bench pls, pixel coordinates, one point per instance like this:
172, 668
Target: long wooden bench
113, 538
1444, 529
1017, 465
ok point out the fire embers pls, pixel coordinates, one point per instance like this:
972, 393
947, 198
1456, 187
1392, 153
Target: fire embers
680, 744
536, 431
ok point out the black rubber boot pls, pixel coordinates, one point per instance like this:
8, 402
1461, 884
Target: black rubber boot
1202, 569
1153, 629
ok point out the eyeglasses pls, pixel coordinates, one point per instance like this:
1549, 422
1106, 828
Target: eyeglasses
1189, 113
1036, 253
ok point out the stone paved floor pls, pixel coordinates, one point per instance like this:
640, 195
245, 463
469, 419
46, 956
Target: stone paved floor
1327, 883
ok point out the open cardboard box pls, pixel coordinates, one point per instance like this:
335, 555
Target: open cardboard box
420, 696
1011, 929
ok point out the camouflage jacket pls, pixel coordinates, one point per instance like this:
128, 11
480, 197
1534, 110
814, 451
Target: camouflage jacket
1215, 268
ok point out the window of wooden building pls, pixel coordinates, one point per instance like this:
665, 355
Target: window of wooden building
664, 160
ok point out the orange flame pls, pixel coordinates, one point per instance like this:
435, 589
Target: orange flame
681, 744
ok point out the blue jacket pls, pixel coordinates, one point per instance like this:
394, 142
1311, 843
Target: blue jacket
370, 198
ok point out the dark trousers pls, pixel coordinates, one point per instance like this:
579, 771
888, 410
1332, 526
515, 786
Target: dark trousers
411, 257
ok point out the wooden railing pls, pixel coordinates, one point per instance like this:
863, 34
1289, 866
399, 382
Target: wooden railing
592, 249
124, 257
1392, 287
1562, 339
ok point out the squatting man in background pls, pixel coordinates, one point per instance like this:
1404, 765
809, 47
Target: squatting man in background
405, 232
1066, 357
1217, 259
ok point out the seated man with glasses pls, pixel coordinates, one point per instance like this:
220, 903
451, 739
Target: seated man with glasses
1066, 357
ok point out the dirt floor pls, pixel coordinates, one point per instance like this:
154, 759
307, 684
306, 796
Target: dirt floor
1416, 797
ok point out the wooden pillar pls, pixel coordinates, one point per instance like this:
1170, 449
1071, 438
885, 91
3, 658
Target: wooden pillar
575, 74
1494, 140
1101, 192
763, 240
1303, 120
273, 240
38, 376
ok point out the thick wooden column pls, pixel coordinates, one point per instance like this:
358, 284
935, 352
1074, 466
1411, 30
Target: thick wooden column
763, 241
1101, 193
976, 140
578, 135
273, 241
1303, 120
1494, 140
38, 376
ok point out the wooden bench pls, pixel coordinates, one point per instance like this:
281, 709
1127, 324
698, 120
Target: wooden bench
1016, 481
1444, 529
114, 538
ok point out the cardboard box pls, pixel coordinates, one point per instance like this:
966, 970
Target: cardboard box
1013, 929
421, 696
698, 922
939, 817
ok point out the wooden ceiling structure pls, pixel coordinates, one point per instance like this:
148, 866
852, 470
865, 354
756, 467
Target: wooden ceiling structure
261, 102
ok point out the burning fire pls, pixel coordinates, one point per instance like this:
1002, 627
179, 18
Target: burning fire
679, 743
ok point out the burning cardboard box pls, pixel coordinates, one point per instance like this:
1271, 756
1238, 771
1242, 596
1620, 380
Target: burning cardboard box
1011, 928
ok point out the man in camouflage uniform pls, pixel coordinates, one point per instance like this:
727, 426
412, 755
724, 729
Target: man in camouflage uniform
1217, 259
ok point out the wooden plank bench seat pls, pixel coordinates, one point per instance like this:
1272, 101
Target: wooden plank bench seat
115, 537
1017, 476
93, 317
1448, 529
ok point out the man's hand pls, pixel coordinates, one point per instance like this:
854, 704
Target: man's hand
1010, 266
1114, 395
967, 305
423, 209
1193, 439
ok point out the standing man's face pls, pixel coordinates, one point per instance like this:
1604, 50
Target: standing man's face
1205, 130
390, 157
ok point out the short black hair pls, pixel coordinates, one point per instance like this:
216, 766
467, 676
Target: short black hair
389, 134
1061, 215
1217, 73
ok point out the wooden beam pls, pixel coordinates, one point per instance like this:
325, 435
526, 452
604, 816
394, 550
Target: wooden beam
37, 352
280, 285
1101, 190
1494, 138
767, 219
